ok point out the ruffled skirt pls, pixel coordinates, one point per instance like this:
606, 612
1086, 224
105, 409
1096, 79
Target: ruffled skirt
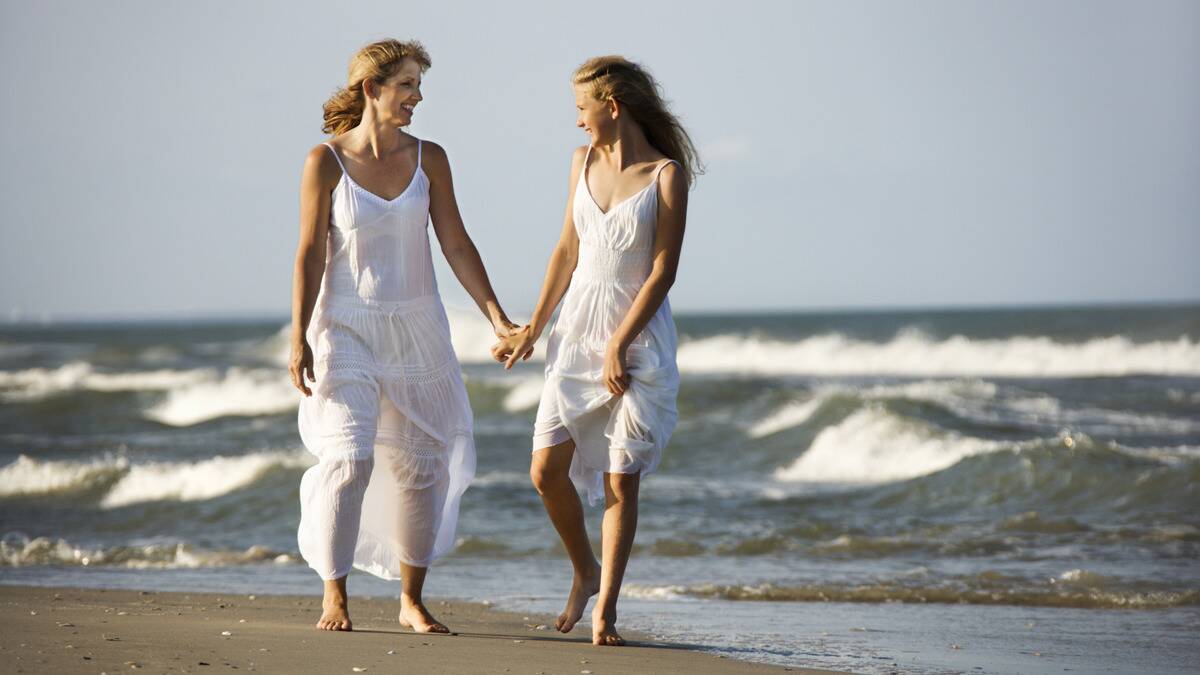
612, 434
389, 389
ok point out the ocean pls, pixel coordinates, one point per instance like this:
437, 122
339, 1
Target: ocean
1000, 490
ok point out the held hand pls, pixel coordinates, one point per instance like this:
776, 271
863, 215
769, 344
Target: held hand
515, 347
616, 375
301, 364
504, 328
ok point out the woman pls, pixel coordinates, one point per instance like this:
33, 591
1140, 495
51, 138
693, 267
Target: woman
387, 414
608, 407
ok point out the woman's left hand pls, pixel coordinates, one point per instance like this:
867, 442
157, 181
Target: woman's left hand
616, 375
504, 328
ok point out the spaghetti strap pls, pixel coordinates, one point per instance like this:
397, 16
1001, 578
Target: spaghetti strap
583, 169
662, 166
419, 146
336, 156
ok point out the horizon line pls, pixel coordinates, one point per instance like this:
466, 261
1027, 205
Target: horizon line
257, 316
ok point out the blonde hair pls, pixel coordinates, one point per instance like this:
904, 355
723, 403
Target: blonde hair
617, 78
377, 62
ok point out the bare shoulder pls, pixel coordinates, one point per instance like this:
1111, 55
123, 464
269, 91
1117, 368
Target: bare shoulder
433, 155
320, 163
673, 183
578, 156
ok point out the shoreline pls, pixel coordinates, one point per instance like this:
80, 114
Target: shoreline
53, 629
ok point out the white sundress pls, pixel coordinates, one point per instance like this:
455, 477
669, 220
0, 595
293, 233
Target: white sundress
388, 389
613, 434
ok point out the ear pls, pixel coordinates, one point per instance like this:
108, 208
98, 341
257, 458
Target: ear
614, 108
370, 89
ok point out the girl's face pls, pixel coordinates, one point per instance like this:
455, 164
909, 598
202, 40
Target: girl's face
397, 96
597, 118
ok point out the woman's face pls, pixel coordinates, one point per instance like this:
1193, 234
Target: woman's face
597, 118
398, 95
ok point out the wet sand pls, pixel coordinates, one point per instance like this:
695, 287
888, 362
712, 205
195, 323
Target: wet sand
65, 630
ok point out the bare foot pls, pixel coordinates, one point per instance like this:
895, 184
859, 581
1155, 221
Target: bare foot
604, 630
334, 616
582, 588
414, 615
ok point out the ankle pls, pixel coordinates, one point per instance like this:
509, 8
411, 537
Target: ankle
605, 611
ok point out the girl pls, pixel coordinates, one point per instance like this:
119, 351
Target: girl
608, 407
387, 414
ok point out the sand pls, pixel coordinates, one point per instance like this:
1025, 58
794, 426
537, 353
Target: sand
63, 630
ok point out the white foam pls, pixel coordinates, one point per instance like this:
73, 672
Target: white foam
874, 446
17, 550
645, 592
35, 383
915, 354
29, 476
791, 414
195, 481
239, 391
132, 483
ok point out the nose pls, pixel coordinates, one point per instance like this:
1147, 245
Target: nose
417, 94
579, 122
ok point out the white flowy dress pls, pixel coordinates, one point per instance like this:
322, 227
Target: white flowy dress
612, 434
389, 418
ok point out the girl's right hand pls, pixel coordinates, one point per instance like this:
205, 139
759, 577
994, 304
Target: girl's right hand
301, 364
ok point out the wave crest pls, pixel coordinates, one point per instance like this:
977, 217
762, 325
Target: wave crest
911, 353
128, 483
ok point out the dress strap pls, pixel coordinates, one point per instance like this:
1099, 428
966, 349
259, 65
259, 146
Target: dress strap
583, 169
662, 166
419, 153
336, 156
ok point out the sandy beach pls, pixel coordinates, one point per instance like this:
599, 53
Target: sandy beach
64, 630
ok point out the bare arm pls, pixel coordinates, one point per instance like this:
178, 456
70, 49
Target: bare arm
558, 278
321, 174
668, 242
562, 259
456, 244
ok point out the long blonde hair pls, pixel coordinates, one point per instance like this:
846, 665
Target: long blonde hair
618, 78
377, 62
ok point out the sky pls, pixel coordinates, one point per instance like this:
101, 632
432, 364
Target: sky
859, 154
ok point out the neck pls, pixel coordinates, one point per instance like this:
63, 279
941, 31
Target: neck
628, 147
373, 137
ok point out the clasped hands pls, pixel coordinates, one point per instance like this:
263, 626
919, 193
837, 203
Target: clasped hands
518, 346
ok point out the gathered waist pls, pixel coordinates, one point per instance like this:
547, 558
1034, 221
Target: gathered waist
602, 264
357, 302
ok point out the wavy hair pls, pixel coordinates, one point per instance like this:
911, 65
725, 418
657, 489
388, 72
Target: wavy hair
377, 62
631, 85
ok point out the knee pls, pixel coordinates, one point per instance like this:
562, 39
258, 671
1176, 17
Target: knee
622, 489
545, 476
352, 473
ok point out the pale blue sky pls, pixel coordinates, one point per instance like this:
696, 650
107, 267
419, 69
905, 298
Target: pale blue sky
859, 154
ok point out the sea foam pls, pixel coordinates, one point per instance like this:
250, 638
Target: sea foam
875, 446
238, 391
35, 383
131, 483
915, 354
